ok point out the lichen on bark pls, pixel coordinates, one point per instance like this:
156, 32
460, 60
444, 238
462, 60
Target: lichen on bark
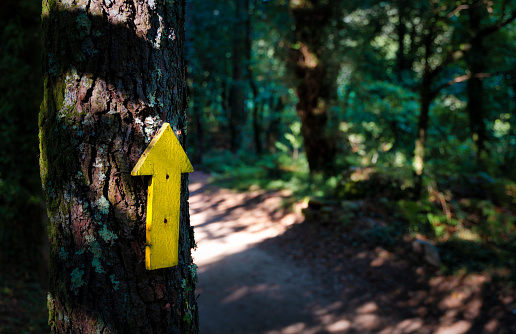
109, 85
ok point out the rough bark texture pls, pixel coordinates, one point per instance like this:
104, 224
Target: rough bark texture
315, 84
114, 72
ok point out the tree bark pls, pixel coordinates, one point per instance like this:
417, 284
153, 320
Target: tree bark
114, 72
314, 80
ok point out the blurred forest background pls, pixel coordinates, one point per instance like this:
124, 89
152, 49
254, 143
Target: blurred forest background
410, 105
407, 104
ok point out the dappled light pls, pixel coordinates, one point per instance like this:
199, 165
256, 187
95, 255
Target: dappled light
226, 222
263, 269
355, 166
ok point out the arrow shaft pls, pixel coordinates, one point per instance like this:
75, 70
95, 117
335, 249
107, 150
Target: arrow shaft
162, 230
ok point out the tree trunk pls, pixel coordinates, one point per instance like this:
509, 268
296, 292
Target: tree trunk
422, 134
114, 72
401, 31
426, 97
257, 128
237, 91
252, 84
276, 106
195, 92
475, 61
199, 125
308, 63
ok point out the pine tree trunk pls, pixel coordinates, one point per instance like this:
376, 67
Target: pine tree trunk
314, 81
114, 72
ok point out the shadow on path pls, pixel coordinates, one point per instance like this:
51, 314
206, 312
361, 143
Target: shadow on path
248, 283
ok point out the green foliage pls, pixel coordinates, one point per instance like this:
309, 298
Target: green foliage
373, 114
360, 183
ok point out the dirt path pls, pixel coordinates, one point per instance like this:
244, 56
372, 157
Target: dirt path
248, 284
244, 288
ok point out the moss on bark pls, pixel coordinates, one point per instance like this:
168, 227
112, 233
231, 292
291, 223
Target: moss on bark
113, 73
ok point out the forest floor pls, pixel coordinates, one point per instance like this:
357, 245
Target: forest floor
265, 269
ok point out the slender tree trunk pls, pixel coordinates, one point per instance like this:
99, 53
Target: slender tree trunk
199, 126
22, 218
114, 72
257, 128
195, 93
426, 97
252, 84
237, 91
313, 87
276, 106
401, 31
475, 89
422, 134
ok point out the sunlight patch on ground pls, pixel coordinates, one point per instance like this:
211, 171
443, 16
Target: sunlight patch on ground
405, 326
244, 291
230, 222
460, 327
246, 287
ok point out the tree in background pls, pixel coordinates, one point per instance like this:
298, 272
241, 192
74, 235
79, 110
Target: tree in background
315, 78
237, 89
244, 40
209, 52
388, 78
483, 20
114, 72
440, 50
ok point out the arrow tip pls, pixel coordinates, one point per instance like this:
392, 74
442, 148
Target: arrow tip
161, 153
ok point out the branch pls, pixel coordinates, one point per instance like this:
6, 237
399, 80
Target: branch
451, 57
495, 27
463, 78
456, 10
465, 6
455, 55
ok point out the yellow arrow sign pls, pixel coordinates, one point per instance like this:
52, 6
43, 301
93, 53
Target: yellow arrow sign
165, 160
